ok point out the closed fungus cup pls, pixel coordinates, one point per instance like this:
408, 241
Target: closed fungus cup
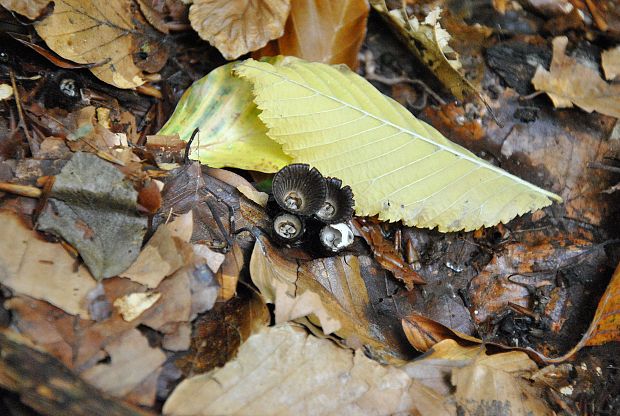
335, 237
299, 190
338, 204
288, 227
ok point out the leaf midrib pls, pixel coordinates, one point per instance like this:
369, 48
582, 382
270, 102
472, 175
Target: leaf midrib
407, 131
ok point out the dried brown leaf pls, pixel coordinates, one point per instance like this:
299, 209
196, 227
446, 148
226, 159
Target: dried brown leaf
423, 333
323, 31
497, 384
610, 60
29, 8
568, 82
33, 267
236, 27
85, 32
284, 370
132, 361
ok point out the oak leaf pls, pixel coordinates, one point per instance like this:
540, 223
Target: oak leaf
236, 27
569, 82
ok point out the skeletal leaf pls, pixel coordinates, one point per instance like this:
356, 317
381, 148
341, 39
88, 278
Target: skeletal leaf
231, 134
236, 27
87, 33
398, 166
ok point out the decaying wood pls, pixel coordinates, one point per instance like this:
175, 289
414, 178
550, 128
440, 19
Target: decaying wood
49, 387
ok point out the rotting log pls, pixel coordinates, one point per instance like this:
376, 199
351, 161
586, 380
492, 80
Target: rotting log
47, 386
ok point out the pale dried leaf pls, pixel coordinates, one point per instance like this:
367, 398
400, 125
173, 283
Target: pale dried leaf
497, 384
610, 60
29, 8
569, 82
213, 259
132, 361
86, 33
33, 267
132, 305
253, 195
6, 92
282, 370
236, 27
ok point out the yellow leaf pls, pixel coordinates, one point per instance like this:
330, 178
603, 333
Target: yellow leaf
568, 82
398, 166
231, 134
86, 32
236, 27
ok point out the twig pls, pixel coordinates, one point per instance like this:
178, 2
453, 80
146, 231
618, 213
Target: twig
22, 122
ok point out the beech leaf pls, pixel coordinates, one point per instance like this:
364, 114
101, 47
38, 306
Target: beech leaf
236, 27
323, 31
86, 32
569, 82
282, 370
231, 134
398, 166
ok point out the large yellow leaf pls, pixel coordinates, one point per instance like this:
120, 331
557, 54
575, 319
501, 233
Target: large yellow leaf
398, 166
231, 134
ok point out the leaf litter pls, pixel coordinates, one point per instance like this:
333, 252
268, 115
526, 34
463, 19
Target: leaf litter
192, 307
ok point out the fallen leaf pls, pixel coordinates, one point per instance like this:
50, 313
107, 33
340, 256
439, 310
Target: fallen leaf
610, 60
6, 92
429, 42
506, 277
175, 303
83, 32
239, 26
569, 82
163, 255
230, 134
33, 267
132, 361
319, 378
605, 326
220, 331
94, 208
29, 8
213, 259
423, 333
498, 384
385, 254
253, 195
335, 120
323, 31
132, 305
331, 291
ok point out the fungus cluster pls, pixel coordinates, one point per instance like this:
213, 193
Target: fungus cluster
310, 205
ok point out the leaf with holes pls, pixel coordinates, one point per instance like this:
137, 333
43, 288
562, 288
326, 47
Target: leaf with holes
398, 166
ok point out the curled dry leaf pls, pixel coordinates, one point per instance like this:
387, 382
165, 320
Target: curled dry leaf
86, 33
284, 370
429, 42
323, 31
569, 82
33, 267
236, 27
29, 8
423, 333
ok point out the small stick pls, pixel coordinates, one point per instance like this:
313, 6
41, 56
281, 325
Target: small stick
22, 122
23, 190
